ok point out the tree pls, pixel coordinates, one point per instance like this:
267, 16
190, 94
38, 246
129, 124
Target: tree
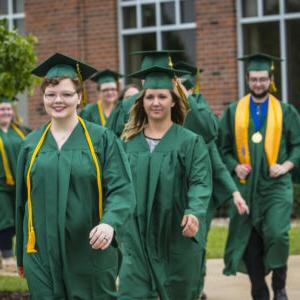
17, 59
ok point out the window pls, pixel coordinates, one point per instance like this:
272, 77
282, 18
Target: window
13, 12
272, 26
155, 25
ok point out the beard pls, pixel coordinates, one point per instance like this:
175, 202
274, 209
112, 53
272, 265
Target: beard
261, 95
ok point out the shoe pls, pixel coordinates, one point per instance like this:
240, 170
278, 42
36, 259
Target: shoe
203, 296
9, 265
280, 295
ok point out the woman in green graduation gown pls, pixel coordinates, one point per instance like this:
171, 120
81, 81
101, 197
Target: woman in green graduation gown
172, 178
11, 137
74, 193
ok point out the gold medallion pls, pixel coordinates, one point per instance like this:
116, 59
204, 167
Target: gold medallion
256, 137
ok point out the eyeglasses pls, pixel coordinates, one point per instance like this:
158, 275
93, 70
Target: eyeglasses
108, 90
260, 80
51, 96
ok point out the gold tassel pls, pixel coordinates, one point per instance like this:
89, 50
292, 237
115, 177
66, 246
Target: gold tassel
19, 119
197, 88
273, 88
31, 241
84, 96
178, 87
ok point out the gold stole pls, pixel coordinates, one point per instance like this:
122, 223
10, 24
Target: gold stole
31, 231
101, 113
8, 175
273, 130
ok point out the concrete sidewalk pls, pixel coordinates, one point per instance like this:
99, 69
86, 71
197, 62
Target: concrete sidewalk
220, 287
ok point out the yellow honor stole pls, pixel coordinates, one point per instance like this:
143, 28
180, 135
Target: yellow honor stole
8, 175
273, 130
31, 231
101, 113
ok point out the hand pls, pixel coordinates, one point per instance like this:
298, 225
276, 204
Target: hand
240, 203
190, 225
101, 236
21, 272
278, 170
242, 170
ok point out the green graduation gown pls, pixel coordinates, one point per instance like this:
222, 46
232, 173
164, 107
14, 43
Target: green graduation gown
91, 113
120, 114
223, 187
269, 199
12, 144
172, 181
200, 119
223, 183
65, 209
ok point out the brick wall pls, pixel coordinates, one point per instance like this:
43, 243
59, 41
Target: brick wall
88, 30
85, 29
217, 51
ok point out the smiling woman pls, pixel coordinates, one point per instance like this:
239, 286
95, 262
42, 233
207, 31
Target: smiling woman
76, 196
172, 178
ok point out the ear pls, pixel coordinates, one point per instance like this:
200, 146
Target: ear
173, 104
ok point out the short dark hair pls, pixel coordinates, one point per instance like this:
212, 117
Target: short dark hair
56, 80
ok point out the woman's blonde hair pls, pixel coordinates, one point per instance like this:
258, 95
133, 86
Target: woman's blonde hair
138, 117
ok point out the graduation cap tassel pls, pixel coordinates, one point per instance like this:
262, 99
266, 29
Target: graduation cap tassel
273, 88
84, 97
197, 88
178, 87
19, 119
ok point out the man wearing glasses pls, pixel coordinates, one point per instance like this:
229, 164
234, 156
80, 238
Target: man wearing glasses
260, 143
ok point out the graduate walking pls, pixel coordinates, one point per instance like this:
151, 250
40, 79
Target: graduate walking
172, 178
261, 145
74, 194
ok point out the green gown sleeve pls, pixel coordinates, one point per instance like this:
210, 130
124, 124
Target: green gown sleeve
117, 184
120, 115
224, 184
200, 119
116, 120
199, 179
293, 136
21, 195
227, 140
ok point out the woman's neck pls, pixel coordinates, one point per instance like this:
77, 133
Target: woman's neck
157, 129
64, 125
4, 127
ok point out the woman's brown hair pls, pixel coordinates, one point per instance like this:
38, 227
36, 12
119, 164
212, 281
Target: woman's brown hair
56, 80
138, 117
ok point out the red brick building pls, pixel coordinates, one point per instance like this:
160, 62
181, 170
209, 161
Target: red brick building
212, 32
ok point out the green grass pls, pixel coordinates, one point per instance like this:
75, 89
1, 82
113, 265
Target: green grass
215, 249
217, 239
12, 284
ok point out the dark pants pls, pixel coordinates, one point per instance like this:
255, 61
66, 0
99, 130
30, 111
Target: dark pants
6, 241
253, 258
